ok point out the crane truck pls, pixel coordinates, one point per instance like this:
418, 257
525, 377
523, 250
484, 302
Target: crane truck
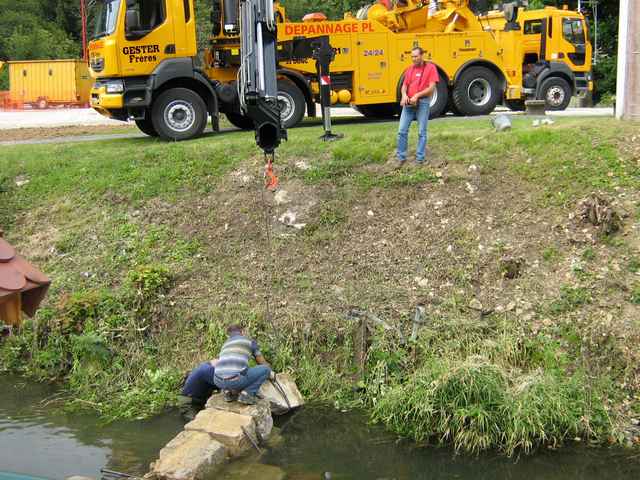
483, 58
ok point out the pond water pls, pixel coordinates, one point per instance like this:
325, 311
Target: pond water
37, 439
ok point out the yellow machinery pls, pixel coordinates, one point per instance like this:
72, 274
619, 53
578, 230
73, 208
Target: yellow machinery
44, 83
143, 48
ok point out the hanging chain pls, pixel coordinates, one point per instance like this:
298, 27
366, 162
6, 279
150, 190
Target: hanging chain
271, 183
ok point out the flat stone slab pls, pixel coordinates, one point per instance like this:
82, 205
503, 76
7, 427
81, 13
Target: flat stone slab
260, 412
230, 429
283, 401
190, 455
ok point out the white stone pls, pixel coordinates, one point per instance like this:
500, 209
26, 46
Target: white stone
281, 196
279, 405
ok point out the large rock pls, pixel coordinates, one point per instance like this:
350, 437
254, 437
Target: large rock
260, 412
190, 455
230, 429
283, 401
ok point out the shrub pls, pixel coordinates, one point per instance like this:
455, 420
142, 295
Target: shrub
475, 405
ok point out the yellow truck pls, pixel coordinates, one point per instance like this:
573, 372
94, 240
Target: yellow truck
143, 56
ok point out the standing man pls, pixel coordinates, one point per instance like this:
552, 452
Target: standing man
233, 374
197, 388
418, 86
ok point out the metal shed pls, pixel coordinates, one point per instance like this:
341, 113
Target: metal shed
44, 83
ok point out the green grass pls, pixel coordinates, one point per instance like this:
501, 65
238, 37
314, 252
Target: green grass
569, 299
153, 247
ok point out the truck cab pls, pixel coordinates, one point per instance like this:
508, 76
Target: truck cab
556, 55
142, 55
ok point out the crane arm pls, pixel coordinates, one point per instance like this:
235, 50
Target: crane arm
258, 85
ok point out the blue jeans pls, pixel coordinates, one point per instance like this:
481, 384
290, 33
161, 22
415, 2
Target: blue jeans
250, 381
420, 113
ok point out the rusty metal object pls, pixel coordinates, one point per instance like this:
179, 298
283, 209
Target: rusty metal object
22, 286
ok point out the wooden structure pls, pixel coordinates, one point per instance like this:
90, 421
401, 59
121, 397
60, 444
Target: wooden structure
22, 286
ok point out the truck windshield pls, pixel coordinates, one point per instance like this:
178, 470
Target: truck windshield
572, 31
105, 17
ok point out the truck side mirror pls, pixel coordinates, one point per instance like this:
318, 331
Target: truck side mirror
132, 21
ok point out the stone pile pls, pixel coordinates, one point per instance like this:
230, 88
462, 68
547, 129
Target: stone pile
223, 431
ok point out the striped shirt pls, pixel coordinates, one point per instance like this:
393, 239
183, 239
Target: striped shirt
234, 356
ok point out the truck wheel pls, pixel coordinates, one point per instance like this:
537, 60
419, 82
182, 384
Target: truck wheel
43, 104
179, 114
515, 105
379, 110
146, 126
292, 103
556, 92
241, 121
439, 99
476, 92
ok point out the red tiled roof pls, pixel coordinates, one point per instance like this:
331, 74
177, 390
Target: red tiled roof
18, 275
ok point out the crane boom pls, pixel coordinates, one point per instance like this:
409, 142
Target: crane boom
258, 86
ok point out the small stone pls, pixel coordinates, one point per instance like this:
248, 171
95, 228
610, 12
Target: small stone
302, 165
281, 196
21, 180
510, 306
370, 213
475, 304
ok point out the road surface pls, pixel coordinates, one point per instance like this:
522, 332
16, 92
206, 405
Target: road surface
88, 117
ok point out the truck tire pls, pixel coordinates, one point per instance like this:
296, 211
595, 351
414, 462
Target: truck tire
292, 103
439, 99
514, 105
476, 91
241, 121
179, 114
146, 126
556, 92
379, 110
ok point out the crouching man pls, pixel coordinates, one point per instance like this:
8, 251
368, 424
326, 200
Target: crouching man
197, 388
233, 375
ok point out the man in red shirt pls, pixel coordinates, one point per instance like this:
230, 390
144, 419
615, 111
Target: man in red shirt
418, 86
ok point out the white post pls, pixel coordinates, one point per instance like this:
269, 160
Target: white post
628, 81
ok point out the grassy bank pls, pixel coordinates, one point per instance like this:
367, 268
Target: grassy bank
531, 311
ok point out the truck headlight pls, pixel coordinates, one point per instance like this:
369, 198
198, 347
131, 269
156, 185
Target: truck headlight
115, 86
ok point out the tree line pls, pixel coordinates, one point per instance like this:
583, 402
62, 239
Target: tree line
47, 29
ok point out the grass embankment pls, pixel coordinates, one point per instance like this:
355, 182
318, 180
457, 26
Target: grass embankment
532, 314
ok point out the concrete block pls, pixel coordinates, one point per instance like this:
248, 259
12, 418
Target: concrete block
260, 412
230, 429
189, 456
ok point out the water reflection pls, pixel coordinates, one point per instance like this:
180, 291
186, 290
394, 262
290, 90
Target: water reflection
37, 439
